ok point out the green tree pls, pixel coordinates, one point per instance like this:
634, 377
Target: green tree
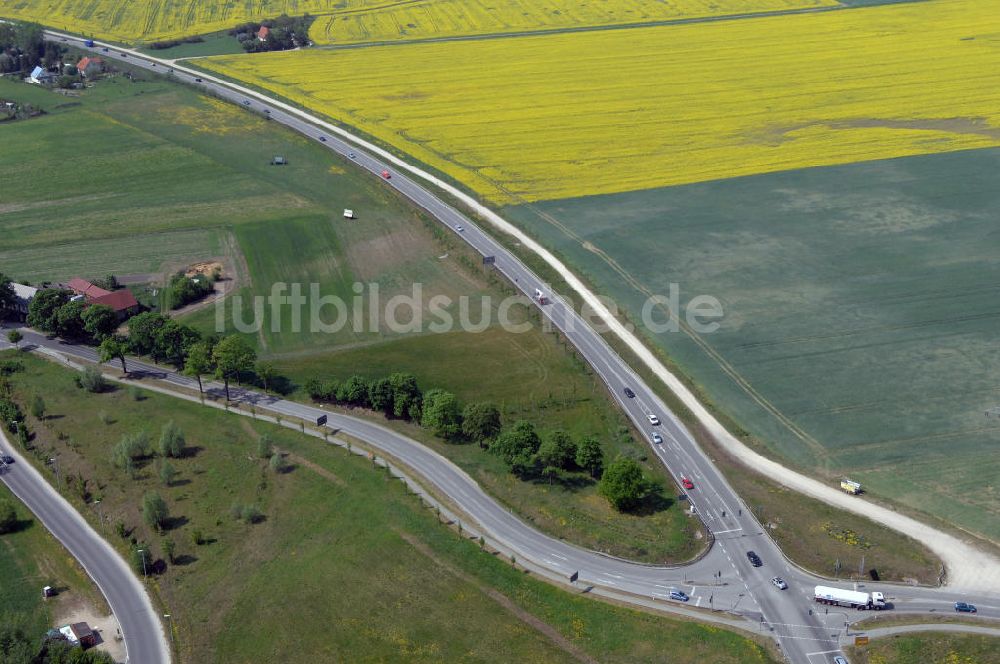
590, 456
380, 395
266, 372
44, 309
481, 422
142, 330
8, 299
114, 348
405, 394
167, 473
154, 511
8, 516
38, 407
623, 484
99, 321
442, 414
69, 320
353, 391
517, 446
233, 356
171, 441
172, 341
557, 450
265, 447
15, 337
169, 549
199, 362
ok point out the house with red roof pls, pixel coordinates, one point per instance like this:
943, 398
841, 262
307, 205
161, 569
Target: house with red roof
121, 301
90, 66
263, 33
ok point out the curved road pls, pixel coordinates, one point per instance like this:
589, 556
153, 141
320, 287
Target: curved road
805, 635
140, 625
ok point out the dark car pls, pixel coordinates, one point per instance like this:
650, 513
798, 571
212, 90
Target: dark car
323, 138
6, 458
629, 393
963, 607
197, 80
754, 559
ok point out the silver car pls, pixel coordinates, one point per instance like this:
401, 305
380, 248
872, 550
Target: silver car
779, 583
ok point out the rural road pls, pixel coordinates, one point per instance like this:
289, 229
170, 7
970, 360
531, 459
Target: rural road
803, 634
139, 622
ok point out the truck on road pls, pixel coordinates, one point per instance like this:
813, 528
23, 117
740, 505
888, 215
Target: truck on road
89, 43
850, 486
541, 297
851, 598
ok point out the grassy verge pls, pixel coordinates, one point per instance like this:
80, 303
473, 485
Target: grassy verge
30, 558
216, 43
928, 647
426, 595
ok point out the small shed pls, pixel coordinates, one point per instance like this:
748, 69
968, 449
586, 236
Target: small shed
348, 214
79, 634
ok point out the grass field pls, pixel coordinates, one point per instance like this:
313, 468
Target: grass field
555, 116
434, 19
283, 224
929, 647
859, 313
427, 596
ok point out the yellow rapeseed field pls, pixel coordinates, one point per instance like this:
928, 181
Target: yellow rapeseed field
132, 20
450, 18
545, 117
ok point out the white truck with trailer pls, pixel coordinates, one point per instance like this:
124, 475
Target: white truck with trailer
851, 598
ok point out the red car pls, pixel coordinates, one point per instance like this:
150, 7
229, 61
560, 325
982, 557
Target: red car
386, 175
688, 484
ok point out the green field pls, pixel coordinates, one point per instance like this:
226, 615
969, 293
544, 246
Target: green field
859, 319
284, 224
931, 647
428, 595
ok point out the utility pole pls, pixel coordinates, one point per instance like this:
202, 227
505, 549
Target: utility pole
142, 554
171, 619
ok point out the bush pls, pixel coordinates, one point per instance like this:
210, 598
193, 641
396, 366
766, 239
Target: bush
154, 511
278, 464
92, 380
246, 513
136, 394
171, 441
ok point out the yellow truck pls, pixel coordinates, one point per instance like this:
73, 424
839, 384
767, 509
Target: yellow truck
851, 487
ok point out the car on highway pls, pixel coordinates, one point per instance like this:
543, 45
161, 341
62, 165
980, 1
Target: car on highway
653, 419
6, 458
688, 484
679, 596
657, 438
198, 80
629, 393
460, 228
104, 50
124, 55
386, 174
351, 155
840, 660
754, 559
323, 139
246, 102
154, 64
963, 607
779, 583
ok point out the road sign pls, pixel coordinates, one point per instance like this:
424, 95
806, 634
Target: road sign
321, 420
860, 640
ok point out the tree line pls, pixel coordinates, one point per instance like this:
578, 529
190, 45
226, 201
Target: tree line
552, 455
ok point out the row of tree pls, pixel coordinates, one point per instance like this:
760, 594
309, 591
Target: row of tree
53, 311
183, 289
23, 47
286, 32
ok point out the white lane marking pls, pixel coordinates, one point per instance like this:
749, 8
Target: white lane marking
556, 555
613, 576
698, 603
731, 530
694, 589
821, 652
664, 587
